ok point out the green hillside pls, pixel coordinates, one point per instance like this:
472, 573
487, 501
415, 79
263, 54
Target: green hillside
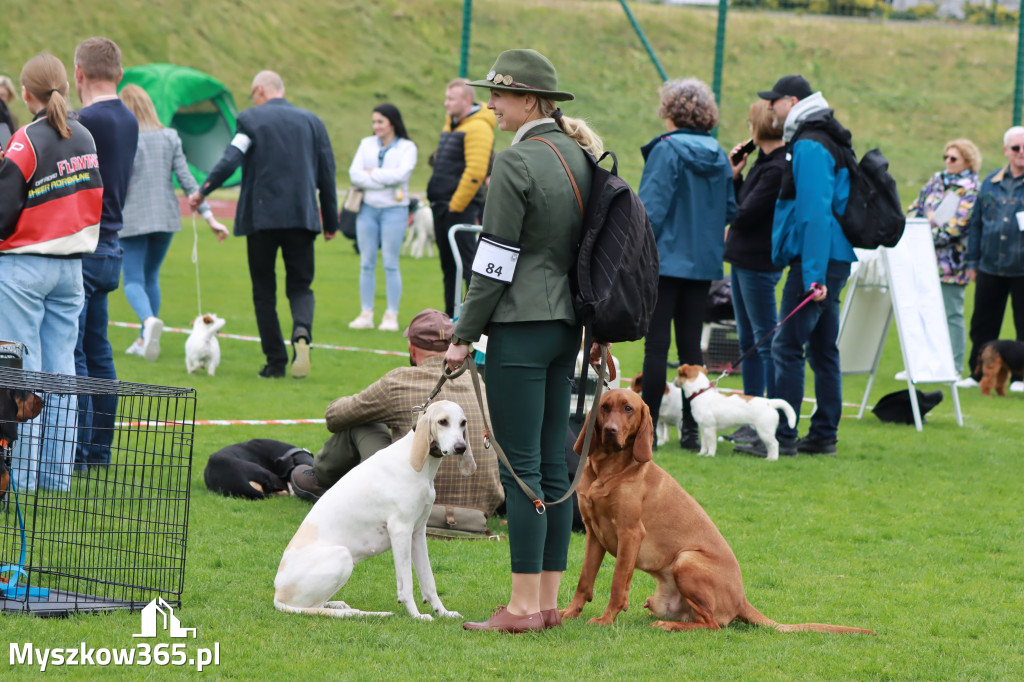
906, 87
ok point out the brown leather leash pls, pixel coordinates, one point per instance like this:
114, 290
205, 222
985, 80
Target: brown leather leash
539, 505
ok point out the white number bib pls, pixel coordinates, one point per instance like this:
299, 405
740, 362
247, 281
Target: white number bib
496, 258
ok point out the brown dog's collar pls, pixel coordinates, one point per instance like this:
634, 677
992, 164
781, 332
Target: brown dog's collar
703, 390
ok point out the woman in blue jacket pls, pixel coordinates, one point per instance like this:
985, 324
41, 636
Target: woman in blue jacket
687, 190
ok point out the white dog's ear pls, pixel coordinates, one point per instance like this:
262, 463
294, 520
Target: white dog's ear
420, 443
468, 465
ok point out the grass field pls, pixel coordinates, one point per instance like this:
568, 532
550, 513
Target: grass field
915, 535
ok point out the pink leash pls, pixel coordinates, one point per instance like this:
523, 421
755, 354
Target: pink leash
732, 365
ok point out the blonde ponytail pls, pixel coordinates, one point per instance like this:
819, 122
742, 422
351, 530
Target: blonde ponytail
46, 79
576, 128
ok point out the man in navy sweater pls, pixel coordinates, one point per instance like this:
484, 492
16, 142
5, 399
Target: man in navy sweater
286, 160
116, 132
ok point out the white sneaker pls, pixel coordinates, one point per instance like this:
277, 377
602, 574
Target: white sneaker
364, 321
389, 323
300, 364
152, 328
901, 375
1017, 387
967, 382
135, 348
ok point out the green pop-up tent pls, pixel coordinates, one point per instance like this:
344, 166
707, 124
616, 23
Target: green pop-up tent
196, 105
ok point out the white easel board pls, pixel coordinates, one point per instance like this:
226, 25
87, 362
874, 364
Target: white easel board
900, 282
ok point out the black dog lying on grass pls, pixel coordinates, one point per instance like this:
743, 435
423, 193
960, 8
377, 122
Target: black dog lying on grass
254, 469
16, 406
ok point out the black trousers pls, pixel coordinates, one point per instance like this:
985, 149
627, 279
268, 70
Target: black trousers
466, 241
681, 303
296, 247
990, 294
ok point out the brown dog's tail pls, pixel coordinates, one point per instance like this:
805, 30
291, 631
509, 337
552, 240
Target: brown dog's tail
755, 617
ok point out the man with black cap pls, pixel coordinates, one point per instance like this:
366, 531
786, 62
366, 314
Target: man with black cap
371, 420
807, 237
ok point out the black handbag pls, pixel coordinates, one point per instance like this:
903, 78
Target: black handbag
349, 210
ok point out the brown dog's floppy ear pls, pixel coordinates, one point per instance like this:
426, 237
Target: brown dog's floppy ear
578, 448
420, 442
29, 405
644, 441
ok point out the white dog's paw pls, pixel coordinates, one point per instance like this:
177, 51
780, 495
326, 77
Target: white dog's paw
445, 613
423, 616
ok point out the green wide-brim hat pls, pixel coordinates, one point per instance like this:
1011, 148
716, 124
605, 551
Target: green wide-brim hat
525, 71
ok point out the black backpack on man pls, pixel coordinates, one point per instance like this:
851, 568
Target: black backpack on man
874, 215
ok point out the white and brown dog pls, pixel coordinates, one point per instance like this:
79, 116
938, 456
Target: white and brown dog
419, 239
671, 411
201, 347
381, 504
713, 411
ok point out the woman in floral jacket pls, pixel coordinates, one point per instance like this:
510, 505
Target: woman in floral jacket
949, 217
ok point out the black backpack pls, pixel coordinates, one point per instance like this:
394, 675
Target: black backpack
874, 215
615, 282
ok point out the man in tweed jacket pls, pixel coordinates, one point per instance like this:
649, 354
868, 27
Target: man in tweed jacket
382, 413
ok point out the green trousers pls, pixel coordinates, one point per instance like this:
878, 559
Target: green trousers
528, 370
345, 449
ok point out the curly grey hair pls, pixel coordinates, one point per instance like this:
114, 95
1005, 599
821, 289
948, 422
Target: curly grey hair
690, 103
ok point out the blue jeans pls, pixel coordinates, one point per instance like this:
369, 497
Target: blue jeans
384, 229
753, 300
41, 299
101, 273
143, 256
811, 334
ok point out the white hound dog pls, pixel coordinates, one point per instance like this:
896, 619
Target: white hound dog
381, 504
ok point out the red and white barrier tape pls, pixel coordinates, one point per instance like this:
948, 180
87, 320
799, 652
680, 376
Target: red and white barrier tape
239, 337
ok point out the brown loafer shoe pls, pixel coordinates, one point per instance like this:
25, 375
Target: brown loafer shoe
551, 618
504, 620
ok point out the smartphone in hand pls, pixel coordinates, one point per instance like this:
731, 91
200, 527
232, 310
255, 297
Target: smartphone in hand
747, 147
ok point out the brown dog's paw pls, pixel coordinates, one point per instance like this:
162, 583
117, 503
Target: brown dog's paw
603, 620
570, 613
666, 625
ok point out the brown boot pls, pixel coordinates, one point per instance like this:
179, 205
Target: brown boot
504, 620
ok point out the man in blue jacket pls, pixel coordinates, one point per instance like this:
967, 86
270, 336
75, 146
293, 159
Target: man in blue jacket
807, 237
286, 159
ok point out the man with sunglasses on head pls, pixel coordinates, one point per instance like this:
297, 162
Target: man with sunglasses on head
995, 253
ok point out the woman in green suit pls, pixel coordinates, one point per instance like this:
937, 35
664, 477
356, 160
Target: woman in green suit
520, 296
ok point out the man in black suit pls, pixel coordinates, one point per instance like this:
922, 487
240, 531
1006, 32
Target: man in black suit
285, 153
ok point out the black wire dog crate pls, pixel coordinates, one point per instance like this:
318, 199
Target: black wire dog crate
104, 536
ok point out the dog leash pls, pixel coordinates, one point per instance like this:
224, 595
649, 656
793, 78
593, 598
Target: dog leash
11, 589
538, 504
195, 259
732, 365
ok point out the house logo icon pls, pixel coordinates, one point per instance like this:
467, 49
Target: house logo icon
170, 622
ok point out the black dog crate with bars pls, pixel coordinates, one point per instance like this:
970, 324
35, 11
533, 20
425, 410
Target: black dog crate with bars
105, 536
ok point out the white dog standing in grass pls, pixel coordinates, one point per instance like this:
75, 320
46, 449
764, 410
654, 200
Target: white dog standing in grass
381, 504
201, 347
713, 411
419, 239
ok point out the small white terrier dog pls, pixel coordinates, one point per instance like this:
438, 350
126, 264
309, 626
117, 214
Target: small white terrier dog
713, 411
419, 239
201, 347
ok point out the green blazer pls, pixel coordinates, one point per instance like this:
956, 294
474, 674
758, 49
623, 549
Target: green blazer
530, 201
